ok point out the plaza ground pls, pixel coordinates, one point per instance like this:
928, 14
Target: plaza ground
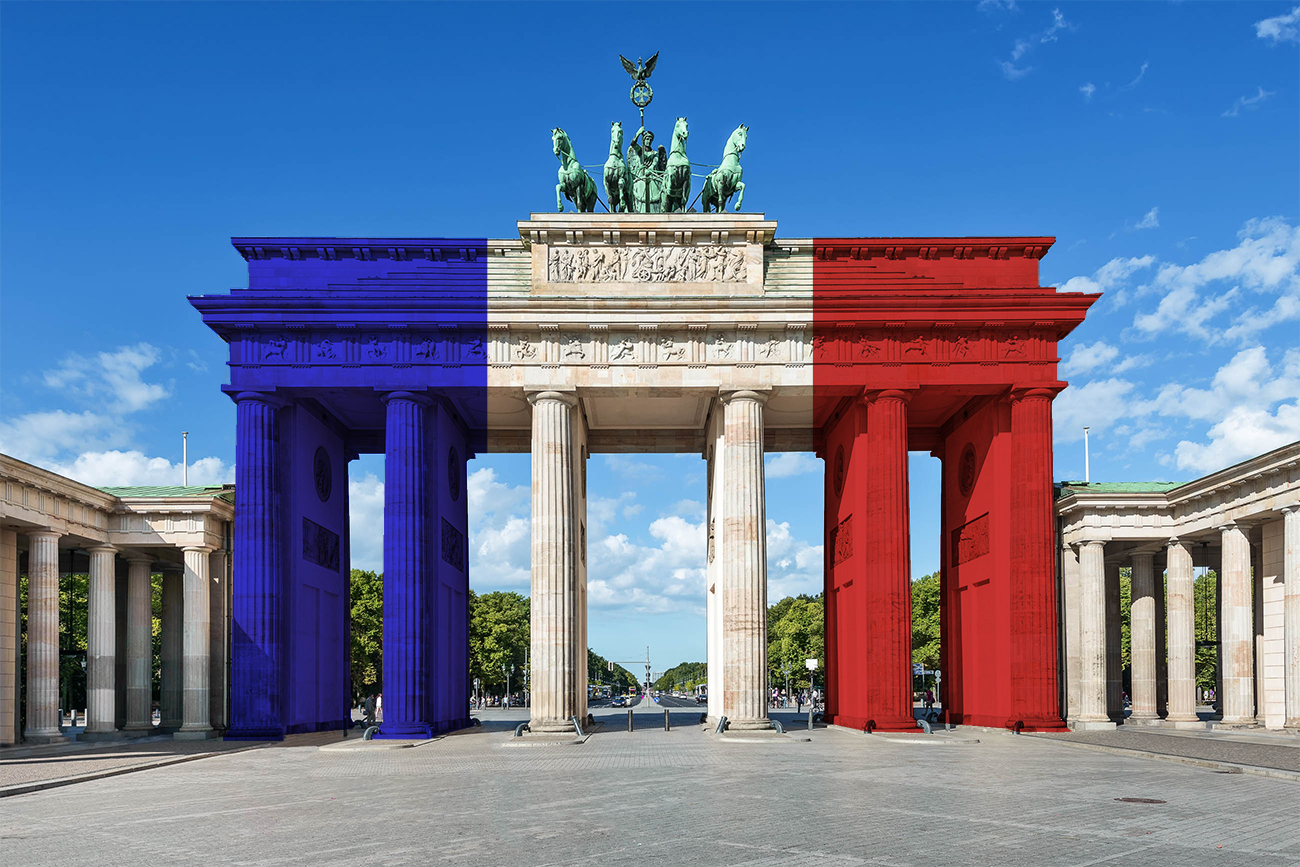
656, 797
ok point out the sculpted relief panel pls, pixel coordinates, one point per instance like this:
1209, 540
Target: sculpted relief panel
666, 264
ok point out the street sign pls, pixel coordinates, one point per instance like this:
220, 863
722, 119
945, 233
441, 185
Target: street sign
811, 663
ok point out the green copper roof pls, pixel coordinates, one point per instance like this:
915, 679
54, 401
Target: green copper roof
171, 491
1064, 488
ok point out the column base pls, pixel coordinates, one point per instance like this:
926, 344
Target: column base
138, 730
875, 723
1292, 725
42, 737
1185, 723
1143, 720
1233, 724
551, 726
100, 737
404, 732
1091, 725
194, 734
748, 725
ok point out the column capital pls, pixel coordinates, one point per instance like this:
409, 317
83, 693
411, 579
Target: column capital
202, 549
412, 396
133, 556
44, 534
104, 549
568, 398
1038, 390
269, 398
1293, 509
1243, 526
742, 394
1084, 543
871, 395
1142, 555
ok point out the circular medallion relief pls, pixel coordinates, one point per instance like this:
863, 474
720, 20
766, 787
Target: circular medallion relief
322, 474
839, 471
453, 473
966, 470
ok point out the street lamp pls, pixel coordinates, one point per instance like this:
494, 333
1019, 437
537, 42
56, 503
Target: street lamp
507, 673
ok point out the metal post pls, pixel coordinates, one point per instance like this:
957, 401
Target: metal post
1087, 470
629, 719
185, 457
667, 727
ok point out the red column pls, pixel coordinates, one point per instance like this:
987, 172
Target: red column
888, 568
1035, 699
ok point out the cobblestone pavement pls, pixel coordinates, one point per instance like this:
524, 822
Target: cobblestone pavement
1220, 748
655, 797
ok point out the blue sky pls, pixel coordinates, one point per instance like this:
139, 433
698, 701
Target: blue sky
1157, 141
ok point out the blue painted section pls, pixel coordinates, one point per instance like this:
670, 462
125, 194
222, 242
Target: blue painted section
324, 334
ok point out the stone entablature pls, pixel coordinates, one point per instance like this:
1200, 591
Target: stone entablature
1252, 490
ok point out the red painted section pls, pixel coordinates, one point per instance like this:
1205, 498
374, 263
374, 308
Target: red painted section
946, 345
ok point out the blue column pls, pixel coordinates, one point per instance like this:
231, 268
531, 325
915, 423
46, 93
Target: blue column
408, 569
257, 651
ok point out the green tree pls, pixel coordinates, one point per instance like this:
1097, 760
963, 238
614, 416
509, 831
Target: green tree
499, 631
925, 621
619, 678
1205, 617
796, 631
688, 674
367, 595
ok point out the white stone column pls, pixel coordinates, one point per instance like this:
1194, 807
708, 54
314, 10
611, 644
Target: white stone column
219, 637
9, 639
43, 637
171, 665
1092, 638
1291, 612
1070, 579
1237, 629
139, 644
715, 591
196, 676
101, 643
555, 627
1114, 647
1142, 637
744, 567
1181, 624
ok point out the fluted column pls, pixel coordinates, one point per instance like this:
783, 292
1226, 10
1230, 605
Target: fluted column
1114, 646
172, 653
554, 619
1142, 637
139, 644
42, 636
257, 648
101, 643
196, 679
1237, 629
1035, 693
744, 567
1092, 638
1291, 613
408, 490
10, 617
1181, 624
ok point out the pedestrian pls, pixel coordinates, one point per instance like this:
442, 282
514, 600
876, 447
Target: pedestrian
369, 710
379, 705
929, 699
799, 699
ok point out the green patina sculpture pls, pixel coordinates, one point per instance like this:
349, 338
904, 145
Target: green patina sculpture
724, 181
648, 180
575, 184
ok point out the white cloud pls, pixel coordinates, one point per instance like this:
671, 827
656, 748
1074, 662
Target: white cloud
1098, 405
111, 376
1088, 89
631, 468
1022, 46
995, 5
1138, 80
1280, 28
786, 464
366, 522
1110, 276
38, 437
500, 532
1247, 102
1010, 71
123, 469
1058, 23
1084, 358
1150, 221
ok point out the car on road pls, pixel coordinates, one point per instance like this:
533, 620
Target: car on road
618, 701
701, 698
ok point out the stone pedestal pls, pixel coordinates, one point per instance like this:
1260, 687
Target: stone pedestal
744, 567
554, 617
101, 645
196, 677
1237, 629
43, 638
1142, 640
1181, 625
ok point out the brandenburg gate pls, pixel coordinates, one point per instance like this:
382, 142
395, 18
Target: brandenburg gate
643, 332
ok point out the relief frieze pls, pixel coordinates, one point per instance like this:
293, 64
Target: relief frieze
666, 264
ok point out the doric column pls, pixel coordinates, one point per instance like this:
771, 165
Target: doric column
1092, 638
219, 637
1237, 629
1181, 625
1073, 630
197, 675
555, 628
744, 567
139, 644
43, 636
408, 490
101, 643
1142, 637
10, 617
172, 653
1035, 694
1114, 646
1291, 613
257, 650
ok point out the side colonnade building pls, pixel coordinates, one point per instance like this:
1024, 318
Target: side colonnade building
52, 526
1243, 523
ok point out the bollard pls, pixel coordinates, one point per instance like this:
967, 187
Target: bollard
629, 719
667, 727
810, 713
